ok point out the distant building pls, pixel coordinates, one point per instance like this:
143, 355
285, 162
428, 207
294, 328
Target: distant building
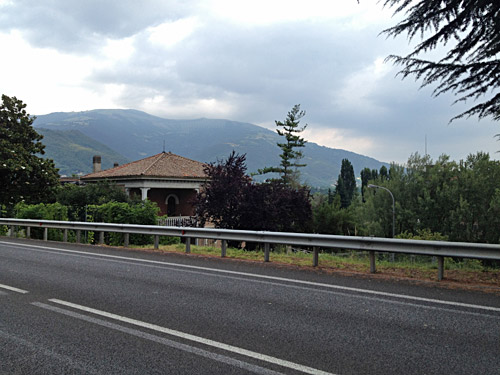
170, 180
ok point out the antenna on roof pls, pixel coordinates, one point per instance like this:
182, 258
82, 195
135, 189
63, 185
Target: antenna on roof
163, 145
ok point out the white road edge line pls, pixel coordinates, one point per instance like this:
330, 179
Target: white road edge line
12, 289
201, 340
266, 277
172, 343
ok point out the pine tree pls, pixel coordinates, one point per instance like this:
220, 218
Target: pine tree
470, 30
290, 156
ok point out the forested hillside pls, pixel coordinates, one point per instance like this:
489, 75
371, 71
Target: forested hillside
135, 135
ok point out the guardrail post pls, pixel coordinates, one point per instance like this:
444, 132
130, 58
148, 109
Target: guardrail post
373, 268
188, 245
266, 252
28, 232
157, 242
126, 239
78, 236
12, 231
440, 260
101, 238
45, 234
65, 235
223, 248
315, 256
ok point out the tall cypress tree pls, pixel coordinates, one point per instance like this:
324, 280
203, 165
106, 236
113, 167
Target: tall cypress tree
346, 184
366, 175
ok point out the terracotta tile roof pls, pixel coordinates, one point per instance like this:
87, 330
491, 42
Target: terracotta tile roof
165, 164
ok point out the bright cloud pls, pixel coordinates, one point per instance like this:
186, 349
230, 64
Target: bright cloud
359, 87
170, 33
119, 49
343, 139
264, 12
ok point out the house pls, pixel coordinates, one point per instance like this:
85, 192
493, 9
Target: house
170, 180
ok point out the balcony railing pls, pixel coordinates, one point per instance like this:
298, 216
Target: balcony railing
178, 221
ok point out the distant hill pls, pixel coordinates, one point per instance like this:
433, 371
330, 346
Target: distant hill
72, 151
135, 135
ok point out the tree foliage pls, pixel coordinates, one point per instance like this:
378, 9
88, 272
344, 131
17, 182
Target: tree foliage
275, 206
346, 183
470, 29
331, 218
78, 197
220, 199
460, 200
140, 212
290, 155
43, 211
230, 200
367, 175
24, 176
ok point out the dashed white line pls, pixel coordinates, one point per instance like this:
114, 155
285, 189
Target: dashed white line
13, 289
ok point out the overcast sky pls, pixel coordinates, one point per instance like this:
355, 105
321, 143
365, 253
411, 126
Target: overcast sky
243, 60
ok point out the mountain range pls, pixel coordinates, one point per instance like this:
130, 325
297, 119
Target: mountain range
121, 135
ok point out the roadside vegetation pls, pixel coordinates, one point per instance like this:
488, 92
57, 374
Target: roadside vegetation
417, 268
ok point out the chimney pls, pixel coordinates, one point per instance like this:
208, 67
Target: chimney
115, 164
96, 163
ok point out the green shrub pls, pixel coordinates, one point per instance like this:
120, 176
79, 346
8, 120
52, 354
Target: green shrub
423, 234
143, 213
42, 211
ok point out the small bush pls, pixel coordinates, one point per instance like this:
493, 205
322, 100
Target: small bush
423, 234
42, 211
143, 212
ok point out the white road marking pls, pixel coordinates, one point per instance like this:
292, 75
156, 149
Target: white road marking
257, 276
201, 340
161, 340
12, 289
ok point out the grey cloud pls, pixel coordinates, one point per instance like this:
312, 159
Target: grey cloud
263, 71
268, 67
73, 25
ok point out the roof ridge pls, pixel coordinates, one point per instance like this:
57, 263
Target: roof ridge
185, 158
129, 163
159, 157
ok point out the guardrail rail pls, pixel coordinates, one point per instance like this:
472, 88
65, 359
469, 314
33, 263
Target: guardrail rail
439, 249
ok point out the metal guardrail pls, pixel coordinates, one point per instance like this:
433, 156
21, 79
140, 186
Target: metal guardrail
439, 249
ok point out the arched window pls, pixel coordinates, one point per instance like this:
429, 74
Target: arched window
172, 203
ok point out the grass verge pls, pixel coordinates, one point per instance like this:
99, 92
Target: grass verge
468, 272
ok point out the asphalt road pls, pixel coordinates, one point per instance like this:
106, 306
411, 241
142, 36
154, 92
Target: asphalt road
69, 309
